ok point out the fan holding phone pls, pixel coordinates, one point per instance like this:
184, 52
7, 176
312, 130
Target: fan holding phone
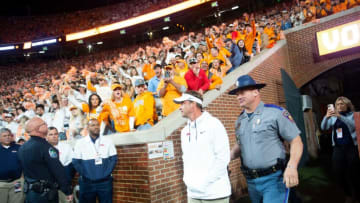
345, 158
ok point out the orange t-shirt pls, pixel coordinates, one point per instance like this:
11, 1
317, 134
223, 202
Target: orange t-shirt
148, 71
250, 38
100, 116
120, 113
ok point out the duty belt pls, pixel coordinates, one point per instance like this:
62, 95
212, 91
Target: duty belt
39, 186
256, 173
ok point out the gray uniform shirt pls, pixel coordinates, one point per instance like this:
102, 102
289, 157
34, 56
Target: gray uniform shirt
259, 135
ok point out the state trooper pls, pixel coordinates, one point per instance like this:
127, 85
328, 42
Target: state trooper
43, 172
260, 129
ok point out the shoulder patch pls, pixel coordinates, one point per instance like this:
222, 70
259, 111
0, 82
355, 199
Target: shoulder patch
52, 152
287, 115
274, 106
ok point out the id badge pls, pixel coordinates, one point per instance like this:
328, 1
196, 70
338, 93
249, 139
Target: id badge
339, 133
98, 160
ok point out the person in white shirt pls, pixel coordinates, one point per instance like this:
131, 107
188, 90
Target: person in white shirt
82, 95
47, 117
206, 152
102, 89
77, 123
65, 157
9, 123
62, 117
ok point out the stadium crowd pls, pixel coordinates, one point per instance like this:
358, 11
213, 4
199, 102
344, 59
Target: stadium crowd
28, 28
132, 88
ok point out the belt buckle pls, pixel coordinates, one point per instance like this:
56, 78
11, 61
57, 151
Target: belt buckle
273, 169
255, 173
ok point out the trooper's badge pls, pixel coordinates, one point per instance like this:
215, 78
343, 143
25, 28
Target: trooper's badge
53, 154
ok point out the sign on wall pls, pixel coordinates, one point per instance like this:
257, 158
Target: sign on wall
338, 40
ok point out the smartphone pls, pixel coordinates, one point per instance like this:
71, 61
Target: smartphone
331, 107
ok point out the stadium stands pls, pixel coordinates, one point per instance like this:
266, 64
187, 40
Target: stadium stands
66, 84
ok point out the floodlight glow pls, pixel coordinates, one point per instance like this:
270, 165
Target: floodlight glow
27, 45
165, 28
99, 43
136, 20
6, 48
235, 7
39, 43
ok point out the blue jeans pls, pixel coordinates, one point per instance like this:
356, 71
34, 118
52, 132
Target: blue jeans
144, 127
267, 189
89, 190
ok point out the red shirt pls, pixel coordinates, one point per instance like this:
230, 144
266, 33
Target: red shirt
197, 82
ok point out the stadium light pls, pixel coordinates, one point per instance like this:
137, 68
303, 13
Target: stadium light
43, 42
98, 43
165, 28
27, 45
235, 7
6, 48
136, 20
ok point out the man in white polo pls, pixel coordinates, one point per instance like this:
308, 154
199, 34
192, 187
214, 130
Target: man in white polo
206, 152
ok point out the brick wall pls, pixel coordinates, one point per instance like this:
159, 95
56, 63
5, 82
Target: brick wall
131, 174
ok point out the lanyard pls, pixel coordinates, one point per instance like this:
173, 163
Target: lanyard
96, 146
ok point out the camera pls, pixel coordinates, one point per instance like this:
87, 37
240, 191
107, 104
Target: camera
167, 74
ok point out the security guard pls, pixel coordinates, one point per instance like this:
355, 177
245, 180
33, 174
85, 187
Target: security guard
260, 130
43, 171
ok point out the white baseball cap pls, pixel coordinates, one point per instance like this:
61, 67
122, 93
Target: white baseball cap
187, 97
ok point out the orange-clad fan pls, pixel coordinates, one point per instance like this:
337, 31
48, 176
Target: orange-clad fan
144, 105
92, 109
215, 81
148, 69
250, 36
120, 109
170, 87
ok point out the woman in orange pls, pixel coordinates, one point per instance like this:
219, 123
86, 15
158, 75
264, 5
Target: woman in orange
120, 110
129, 89
215, 81
219, 68
92, 109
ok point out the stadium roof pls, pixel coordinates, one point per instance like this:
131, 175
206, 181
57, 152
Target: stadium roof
47, 7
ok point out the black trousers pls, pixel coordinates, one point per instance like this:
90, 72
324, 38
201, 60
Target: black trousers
346, 165
34, 197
